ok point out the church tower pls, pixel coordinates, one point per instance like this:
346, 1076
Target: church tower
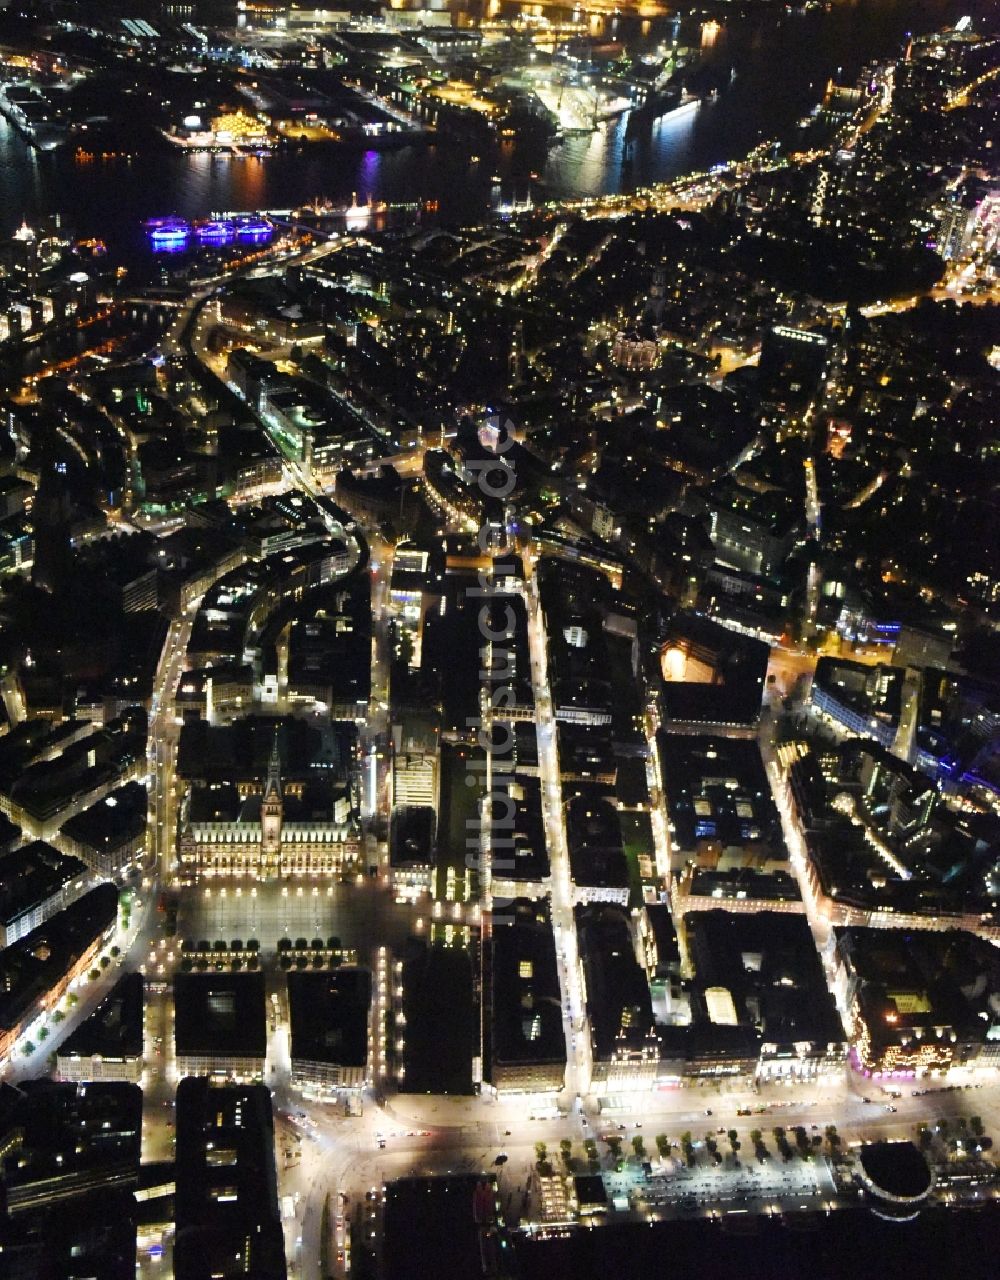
657, 295
272, 806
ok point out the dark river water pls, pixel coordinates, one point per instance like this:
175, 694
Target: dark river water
781, 64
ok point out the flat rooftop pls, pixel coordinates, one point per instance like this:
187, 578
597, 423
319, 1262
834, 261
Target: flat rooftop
618, 998
527, 1005
114, 1029
846, 1243
447, 1227
78, 1136
226, 1199
718, 796
35, 963
32, 874
711, 675
329, 1015
220, 1014
440, 1025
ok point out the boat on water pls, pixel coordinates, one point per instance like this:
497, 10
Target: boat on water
214, 231
248, 229
168, 234
171, 235
325, 208
255, 229
661, 103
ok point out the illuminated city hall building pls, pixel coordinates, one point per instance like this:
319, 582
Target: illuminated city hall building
298, 828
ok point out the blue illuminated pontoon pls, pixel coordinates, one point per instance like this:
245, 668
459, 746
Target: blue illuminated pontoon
215, 231
255, 229
173, 235
167, 235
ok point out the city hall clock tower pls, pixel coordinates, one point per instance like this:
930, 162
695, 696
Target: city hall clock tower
272, 806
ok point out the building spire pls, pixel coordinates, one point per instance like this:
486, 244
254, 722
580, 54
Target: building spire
273, 785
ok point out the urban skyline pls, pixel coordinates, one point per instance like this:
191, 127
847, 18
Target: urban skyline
499, 680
